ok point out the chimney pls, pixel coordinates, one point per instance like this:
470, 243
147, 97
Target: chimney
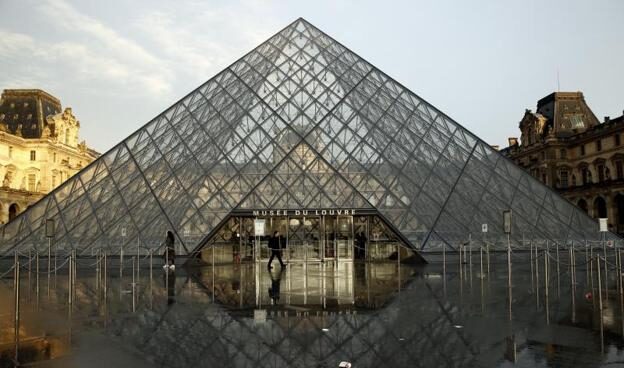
513, 141
496, 147
607, 119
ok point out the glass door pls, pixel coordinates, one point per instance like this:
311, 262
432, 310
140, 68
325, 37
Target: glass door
304, 238
344, 237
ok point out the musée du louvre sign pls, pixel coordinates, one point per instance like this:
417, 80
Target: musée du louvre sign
307, 212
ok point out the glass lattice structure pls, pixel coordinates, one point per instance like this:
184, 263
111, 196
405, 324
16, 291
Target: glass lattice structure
299, 122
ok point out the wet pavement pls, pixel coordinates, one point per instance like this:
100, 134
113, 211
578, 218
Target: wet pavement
382, 314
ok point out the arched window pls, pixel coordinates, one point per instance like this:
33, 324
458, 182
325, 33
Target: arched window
582, 204
619, 207
13, 211
600, 207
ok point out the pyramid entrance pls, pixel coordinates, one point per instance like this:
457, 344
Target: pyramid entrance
306, 235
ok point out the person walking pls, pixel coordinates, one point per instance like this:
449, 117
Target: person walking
360, 245
169, 255
275, 245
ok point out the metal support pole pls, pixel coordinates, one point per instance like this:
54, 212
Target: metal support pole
461, 273
572, 288
105, 277
600, 305
70, 274
37, 274
531, 262
509, 272
444, 261
49, 262
133, 286
606, 280
75, 261
537, 292
481, 263
138, 259
470, 254
546, 262
16, 295
121, 256
619, 273
587, 261
97, 273
558, 278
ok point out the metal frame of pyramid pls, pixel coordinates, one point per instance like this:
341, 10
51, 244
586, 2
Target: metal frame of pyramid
299, 122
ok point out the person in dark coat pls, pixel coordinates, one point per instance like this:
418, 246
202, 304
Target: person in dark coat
360, 246
169, 254
274, 290
275, 245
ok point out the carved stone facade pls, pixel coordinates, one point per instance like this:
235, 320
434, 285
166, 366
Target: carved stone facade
39, 148
566, 147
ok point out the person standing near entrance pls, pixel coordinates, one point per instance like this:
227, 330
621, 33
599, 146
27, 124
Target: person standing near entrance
169, 255
360, 246
275, 245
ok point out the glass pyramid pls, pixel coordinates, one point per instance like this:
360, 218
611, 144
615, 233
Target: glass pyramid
299, 122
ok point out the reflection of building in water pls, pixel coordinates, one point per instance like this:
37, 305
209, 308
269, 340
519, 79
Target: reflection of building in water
304, 287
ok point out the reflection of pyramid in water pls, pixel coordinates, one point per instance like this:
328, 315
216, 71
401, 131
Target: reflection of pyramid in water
299, 122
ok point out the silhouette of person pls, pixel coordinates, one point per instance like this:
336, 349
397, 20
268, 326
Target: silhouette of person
170, 281
274, 290
360, 245
169, 254
275, 245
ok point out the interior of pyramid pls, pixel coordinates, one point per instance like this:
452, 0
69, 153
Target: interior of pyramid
299, 122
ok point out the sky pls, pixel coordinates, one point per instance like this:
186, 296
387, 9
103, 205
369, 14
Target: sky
118, 64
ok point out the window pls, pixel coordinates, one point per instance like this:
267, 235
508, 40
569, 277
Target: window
582, 149
564, 178
599, 145
54, 157
543, 155
67, 136
601, 173
10, 152
32, 180
53, 181
619, 169
616, 138
563, 153
33, 155
544, 179
584, 175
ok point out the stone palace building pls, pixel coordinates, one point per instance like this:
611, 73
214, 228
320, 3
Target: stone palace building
39, 148
564, 145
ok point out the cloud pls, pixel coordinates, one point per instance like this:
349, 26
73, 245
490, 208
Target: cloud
200, 39
97, 52
34, 62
